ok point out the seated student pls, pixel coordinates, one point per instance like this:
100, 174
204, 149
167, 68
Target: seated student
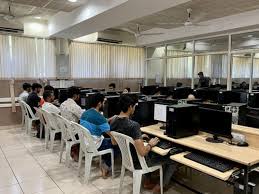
33, 99
69, 108
97, 125
46, 88
126, 90
123, 124
112, 86
48, 97
179, 84
26, 91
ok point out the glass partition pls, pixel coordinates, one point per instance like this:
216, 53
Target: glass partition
245, 41
155, 71
155, 52
180, 49
217, 44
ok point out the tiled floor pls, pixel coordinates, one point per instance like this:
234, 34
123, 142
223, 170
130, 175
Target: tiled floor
26, 167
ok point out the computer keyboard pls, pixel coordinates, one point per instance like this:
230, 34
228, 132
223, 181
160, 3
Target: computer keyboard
164, 144
210, 161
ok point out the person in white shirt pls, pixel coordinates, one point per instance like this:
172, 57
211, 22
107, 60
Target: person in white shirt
26, 90
70, 109
48, 97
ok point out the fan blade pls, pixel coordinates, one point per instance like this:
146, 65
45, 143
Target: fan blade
151, 34
199, 24
169, 23
128, 30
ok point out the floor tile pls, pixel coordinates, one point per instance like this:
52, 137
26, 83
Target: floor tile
14, 189
7, 177
37, 185
51, 191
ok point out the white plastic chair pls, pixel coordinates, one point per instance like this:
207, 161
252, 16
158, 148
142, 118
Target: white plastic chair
29, 117
23, 114
68, 138
39, 114
124, 142
52, 129
89, 149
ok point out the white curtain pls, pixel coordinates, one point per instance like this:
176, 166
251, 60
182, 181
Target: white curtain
106, 61
241, 67
5, 57
25, 57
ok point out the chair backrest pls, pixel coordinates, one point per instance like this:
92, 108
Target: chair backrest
50, 120
67, 130
28, 110
22, 107
125, 143
40, 115
86, 139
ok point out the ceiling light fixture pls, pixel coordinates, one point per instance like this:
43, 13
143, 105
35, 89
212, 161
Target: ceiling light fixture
73, 1
37, 17
250, 36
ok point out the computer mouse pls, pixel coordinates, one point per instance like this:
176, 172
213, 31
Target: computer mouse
243, 144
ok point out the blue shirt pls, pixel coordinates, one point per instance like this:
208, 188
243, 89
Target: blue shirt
95, 122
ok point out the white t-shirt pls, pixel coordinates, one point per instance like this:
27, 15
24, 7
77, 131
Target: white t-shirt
50, 108
24, 95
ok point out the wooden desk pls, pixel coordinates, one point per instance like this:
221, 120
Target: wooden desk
242, 155
247, 157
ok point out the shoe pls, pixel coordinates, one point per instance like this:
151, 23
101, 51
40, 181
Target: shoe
149, 185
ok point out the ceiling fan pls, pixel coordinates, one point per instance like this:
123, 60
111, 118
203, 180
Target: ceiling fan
9, 16
188, 22
138, 33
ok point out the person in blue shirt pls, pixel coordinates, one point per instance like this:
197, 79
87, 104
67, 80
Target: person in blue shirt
97, 124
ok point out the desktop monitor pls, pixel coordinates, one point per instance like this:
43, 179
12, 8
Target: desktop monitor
182, 120
149, 90
253, 100
63, 95
181, 92
166, 90
144, 112
216, 122
160, 111
111, 106
86, 100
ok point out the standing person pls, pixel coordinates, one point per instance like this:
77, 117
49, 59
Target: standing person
26, 91
123, 124
69, 108
97, 125
203, 81
33, 99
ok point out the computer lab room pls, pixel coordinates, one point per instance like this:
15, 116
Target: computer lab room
129, 97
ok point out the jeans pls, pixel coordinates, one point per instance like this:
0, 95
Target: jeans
107, 144
169, 167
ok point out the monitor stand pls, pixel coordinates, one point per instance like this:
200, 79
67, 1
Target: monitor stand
214, 139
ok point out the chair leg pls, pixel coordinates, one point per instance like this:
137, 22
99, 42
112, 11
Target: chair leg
88, 165
29, 127
68, 150
52, 139
122, 178
41, 128
80, 160
112, 160
137, 177
61, 150
161, 181
46, 138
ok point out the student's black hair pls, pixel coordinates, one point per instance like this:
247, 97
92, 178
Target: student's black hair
49, 88
125, 102
73, 91
26, 86
35, 85
112, 85
47, 94
98, 97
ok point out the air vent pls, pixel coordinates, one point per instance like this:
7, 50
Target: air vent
5, 30
109, 40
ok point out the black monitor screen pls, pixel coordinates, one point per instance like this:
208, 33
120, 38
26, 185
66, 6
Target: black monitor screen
216, 122
149, 90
